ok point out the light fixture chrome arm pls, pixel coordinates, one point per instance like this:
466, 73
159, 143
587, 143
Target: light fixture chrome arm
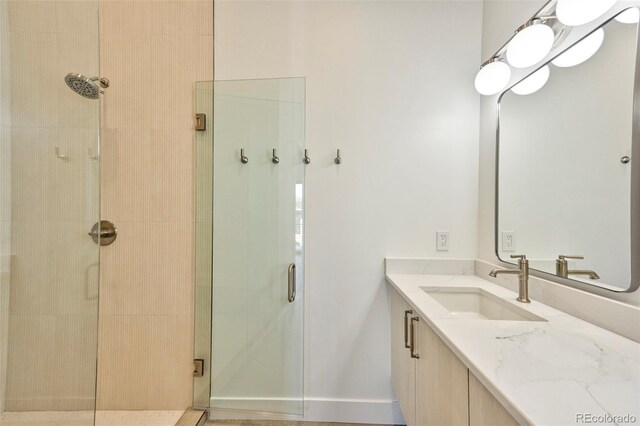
545, 13
529, 44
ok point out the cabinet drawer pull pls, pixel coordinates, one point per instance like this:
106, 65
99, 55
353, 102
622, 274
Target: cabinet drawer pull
406, 330
413, 338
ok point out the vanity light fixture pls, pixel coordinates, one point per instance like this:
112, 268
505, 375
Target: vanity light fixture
579, 12
581, 51
532, 42
493, 76
629, 16
533, 83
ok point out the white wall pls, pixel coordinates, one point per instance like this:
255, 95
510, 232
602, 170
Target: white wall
500, 18
391, 85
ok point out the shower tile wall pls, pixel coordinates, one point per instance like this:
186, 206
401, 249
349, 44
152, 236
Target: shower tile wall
5, 194
52, 303
153, 52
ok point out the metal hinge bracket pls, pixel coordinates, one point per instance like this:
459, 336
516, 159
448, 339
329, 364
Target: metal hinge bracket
201, 122
198, 367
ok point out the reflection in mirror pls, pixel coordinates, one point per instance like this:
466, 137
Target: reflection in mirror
564, 179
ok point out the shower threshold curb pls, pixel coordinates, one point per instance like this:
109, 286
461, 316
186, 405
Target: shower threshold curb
192, 417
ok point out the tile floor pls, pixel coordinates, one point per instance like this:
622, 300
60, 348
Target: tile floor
277, 423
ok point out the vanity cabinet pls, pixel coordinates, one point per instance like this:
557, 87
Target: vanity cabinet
484, 409
441, 382
403, 367
435, 388
432, 388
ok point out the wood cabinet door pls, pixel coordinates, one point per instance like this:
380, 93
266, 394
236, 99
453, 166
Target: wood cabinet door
403, 373
441, 382
484, 409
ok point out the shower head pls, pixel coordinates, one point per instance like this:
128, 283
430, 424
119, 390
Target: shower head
89, 87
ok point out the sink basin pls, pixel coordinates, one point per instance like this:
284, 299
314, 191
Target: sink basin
476, 303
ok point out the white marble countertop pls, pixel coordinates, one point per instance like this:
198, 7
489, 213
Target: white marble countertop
544, 373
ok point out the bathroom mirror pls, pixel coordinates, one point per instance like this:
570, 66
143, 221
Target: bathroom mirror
566, 179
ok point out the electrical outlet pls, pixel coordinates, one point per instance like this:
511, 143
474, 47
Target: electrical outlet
508, 241
442, 241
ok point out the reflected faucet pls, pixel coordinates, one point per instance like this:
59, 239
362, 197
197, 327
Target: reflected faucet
523, 275
562, 268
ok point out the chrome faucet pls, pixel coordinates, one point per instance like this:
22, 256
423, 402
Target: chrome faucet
562, 268
523, 275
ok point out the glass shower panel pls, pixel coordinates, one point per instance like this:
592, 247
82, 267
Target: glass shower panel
258, 327
49, 200
203, 165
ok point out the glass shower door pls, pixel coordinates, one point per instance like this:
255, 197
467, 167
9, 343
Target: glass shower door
49, 200
258, 298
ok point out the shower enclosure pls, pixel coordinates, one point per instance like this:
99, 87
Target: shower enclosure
49, 201
250, 181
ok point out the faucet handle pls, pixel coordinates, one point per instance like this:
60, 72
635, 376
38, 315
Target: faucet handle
519, 256
564, 256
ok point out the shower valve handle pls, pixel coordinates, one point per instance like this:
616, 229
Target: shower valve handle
104, 233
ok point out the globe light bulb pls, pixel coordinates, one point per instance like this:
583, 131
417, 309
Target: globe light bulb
581, 51
580, 12
530, 45
492, 78
533, 83
629, 16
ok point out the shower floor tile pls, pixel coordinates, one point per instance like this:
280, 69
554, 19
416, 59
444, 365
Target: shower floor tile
47, 418
138, 418
85, 418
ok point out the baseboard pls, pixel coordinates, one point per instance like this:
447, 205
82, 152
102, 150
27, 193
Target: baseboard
353, 411
315, 409
256, 408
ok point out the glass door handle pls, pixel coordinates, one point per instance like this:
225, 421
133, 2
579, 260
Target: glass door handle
291, 278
